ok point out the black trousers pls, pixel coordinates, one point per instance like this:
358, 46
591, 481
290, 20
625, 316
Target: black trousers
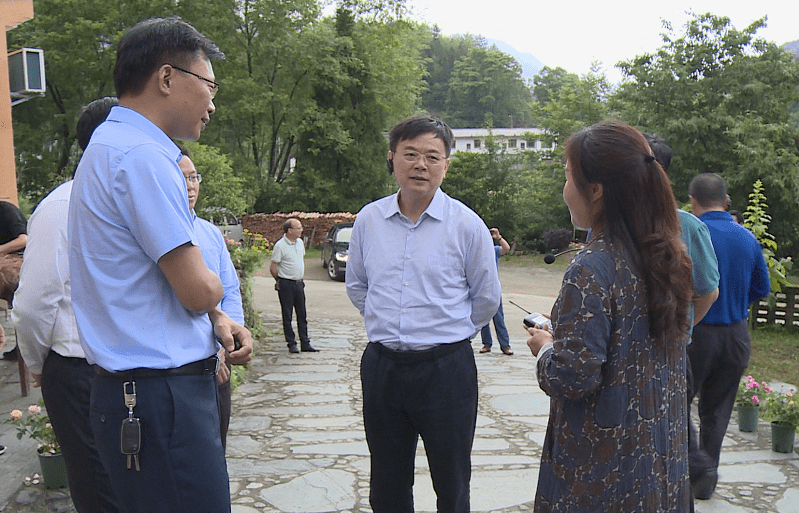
432, 394
718, 354
183, 467
224, 409
66, 390
292, 298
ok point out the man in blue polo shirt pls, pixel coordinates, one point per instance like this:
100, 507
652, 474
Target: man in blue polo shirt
144, 300
720, 345
217, 258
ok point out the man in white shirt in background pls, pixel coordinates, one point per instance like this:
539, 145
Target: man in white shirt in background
48, 335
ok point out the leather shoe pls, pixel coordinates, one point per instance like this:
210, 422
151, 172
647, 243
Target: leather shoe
308, 348
705, 484
485, 349
507, 350
293, 348
11, 356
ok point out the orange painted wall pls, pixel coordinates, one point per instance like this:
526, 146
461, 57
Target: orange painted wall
12, 13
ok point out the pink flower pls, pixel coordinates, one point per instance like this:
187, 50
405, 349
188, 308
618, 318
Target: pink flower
789, 394
34, 409
790, 403
16, 414
755, 385
755, 400
750, 378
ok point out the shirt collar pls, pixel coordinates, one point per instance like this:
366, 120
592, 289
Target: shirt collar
125, 115
716, 215
435, 209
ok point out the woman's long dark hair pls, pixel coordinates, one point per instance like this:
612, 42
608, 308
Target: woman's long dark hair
638, 211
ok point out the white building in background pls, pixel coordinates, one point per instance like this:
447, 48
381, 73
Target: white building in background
513, 139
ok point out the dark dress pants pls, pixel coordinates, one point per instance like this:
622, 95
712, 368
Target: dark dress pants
432, 394
718, 355
183, 468
224, 409
292, 298
66, 390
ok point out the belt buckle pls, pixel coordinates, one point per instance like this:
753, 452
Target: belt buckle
216, 370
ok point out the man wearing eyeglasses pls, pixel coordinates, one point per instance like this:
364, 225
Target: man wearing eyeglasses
144, 300
217, 258
422, 273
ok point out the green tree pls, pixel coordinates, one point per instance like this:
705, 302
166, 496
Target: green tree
79, 39
359, 89
487, 83
722, 98
220, 187
441, 54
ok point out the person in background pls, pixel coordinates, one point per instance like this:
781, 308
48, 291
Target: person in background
614, 364
501, 247
423, 275
737, 216
217, 259
144, 301
48, 335
720, 344
13, 237
288, 269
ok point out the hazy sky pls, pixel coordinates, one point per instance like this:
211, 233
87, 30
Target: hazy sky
571, 34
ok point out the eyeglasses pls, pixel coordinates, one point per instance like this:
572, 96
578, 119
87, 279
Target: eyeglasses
213, 86
198, 178
432, 159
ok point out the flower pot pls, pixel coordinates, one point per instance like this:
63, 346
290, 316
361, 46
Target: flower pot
54, 471
747, 418
782, 437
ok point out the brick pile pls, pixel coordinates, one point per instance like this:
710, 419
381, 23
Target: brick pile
315, 225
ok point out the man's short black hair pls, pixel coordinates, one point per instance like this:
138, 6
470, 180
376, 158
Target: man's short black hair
418, 124
152, 43
91, 115
661, 150
287, 224
709, 190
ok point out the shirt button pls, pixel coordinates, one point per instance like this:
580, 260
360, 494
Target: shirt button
407, 256
404, 310
406, 283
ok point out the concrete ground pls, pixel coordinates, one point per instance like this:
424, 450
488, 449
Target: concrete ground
296, 441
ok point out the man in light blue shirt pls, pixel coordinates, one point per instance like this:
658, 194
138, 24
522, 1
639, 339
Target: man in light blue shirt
421, 271
144, 301
217, 258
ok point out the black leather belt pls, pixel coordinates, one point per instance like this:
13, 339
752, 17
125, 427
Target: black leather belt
207, 367
416, 356
286, 279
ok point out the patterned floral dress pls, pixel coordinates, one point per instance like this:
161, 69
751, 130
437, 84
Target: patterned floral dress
617, 439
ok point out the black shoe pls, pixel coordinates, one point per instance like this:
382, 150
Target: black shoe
2, 449
293, 348
11, 356
704, 484
307, 348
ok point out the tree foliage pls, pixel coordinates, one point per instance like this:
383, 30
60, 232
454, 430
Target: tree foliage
721, 97
220, 186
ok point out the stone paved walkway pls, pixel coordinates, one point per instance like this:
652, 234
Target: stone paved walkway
296, 441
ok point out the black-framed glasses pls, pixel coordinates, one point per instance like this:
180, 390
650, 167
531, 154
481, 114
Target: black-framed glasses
197, 178
211, 84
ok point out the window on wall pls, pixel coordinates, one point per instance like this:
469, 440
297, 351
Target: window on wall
476, 143
511, 143
521, 145
468, 146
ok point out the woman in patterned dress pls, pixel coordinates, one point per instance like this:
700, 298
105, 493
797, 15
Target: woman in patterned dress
614, 364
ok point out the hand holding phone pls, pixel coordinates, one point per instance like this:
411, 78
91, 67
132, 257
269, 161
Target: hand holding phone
536, 320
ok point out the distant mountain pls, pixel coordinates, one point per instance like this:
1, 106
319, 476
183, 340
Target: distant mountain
530, 65
792, 46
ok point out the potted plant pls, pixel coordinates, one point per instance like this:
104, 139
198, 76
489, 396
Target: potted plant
750, 395
37, 426
783, 412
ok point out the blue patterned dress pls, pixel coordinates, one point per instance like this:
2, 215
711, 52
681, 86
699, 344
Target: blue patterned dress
617, 439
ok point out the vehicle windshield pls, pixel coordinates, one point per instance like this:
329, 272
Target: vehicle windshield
344, 234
